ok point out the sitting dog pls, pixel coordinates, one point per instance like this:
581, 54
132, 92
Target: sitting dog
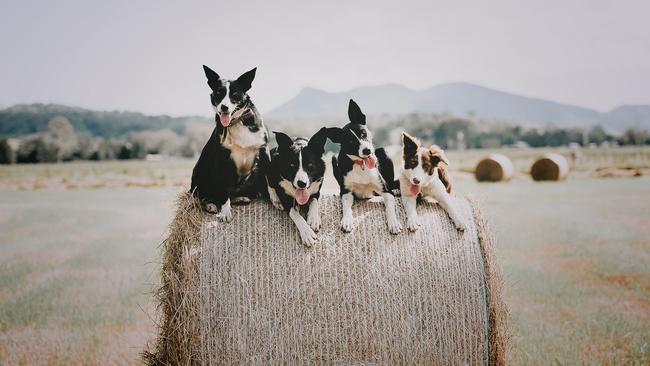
228, 166
361, 171
425, 176
295, 177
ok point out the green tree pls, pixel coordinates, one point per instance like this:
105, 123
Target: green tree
7, 155
597, 135
62, 135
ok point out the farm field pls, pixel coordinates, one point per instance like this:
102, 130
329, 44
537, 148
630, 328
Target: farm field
79, 253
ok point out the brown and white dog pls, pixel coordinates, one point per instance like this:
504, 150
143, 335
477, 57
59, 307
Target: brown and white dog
424, 175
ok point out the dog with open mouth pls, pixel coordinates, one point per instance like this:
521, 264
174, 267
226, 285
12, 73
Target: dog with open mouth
228, 167
425, 176
295, 178
362, 171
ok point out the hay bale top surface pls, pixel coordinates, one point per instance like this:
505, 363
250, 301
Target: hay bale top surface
366, 296
494, 168
551, 167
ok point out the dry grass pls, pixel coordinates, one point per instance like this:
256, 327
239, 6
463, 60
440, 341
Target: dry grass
499, 331
178, 305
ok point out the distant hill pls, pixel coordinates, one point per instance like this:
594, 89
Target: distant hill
459, 99
30, 118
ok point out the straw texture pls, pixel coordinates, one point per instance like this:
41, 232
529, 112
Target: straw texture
368, 297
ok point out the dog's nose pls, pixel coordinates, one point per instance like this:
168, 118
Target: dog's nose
366, 151
302, 184
224, 108
416, 181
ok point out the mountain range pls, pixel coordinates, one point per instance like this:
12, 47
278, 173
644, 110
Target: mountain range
312, 108
459, 99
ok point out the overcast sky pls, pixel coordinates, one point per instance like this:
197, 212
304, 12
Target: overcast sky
147, 55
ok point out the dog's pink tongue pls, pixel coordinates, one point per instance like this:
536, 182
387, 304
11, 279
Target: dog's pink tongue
370, 161
415, 189
302, 196
224, 118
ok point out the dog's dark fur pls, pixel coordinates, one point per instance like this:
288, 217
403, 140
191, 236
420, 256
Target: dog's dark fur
297, 164
229, 163
355, 178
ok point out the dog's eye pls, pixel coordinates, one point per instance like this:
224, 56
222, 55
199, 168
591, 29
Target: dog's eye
236, 95
310, 165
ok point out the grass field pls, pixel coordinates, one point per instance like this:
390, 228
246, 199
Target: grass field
77, 265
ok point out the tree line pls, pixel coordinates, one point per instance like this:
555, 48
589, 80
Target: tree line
451, 132
60, 141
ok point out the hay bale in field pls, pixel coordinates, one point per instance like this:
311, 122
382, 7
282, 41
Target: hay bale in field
494, 168
551, 166
249, 292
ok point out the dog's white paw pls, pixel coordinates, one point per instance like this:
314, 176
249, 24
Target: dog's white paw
308, 236
413, 223
211, 208
394, 226
460, 224
313, 219
225, 215
277, 204
275, 200
347, 224
241, 201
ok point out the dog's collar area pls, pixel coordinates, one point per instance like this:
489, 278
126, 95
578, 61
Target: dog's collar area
246, 114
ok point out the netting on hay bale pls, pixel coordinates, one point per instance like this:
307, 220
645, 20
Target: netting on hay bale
249, 292
551, 166
494, 168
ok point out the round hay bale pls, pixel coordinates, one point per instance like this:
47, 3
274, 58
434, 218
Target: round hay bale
551, 166
494, 168
249, 292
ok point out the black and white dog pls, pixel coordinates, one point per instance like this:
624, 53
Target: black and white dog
295, 177
361, 171
228, 166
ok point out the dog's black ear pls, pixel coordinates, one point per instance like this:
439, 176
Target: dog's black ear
246, 80
214, 81
355, 114
317, 142
410, 144
283, 140
335, 134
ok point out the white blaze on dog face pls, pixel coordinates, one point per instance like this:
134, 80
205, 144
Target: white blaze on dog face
302, 179
412, 160
225, 105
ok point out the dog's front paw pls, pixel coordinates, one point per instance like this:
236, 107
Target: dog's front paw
347, 224
412, 223
313, 219
277, 204
308, 237
211, 208
275, 200
225, 215
460, 225
394, 226
241, 201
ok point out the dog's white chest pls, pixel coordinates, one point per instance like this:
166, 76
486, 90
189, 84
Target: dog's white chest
363, 183
244, 146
